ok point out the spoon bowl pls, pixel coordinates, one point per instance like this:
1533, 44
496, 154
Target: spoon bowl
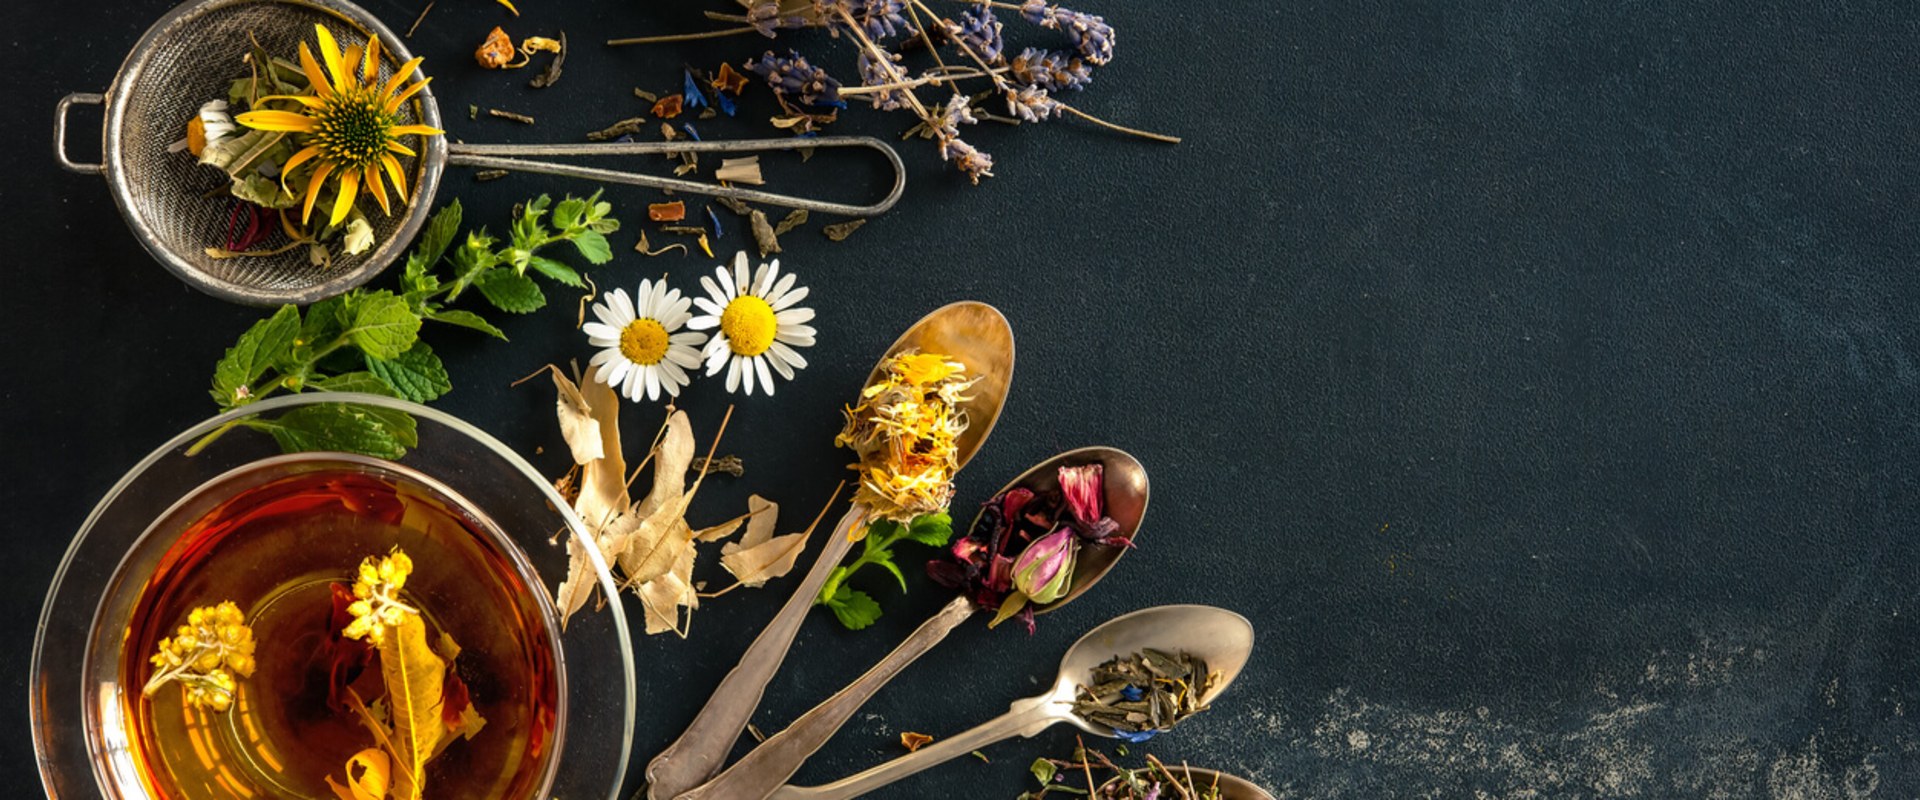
977, 335
1232, 787
1126, 494
1220, 637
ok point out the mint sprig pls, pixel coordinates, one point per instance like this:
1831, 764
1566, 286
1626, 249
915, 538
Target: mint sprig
856, 609
368, 340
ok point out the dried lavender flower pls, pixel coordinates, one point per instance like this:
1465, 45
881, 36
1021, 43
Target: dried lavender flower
1051, 70
967, 158
874, 72
1031, 104
979, 30
1090, 34
879, 19
764, 16
791, 77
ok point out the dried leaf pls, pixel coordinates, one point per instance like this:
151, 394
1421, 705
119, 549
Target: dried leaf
740, 170
794, 219
415, 678
603, 482
763, 233
369, 772
624, 127
577, 425
644, 94
662, 598
840, 231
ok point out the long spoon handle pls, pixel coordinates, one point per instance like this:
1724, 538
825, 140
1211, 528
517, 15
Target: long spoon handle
703, 748
1028, 717
776, 759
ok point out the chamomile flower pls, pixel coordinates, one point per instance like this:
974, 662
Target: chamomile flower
642, 353
759, 325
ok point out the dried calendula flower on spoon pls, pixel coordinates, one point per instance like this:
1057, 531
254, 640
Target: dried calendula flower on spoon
905, 430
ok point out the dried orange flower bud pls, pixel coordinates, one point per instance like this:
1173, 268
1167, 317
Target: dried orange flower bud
496, 52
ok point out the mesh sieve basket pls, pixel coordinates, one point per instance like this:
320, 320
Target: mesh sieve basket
178, 208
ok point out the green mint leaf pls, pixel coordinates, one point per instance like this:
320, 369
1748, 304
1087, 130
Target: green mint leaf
510, 291
467, 319
853, 608
358, 381
558, 271
398, 424
415, 375
383, 325
472, 260
264, 345
1043, 770
432, 245
343, 427
325, 320
570, 214
934, 530
593, 247
895, 569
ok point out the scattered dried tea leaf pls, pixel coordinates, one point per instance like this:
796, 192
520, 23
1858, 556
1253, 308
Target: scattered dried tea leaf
667, 212
735, 205
740, 170
731, 465
624, 127
914, 741
763, 234
559, 50
645, 95
839, 231
668, 107
647, 250
490, 175
793, 219
497, 51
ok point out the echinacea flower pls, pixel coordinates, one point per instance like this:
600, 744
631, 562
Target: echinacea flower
759, 325
644, 350
351, 126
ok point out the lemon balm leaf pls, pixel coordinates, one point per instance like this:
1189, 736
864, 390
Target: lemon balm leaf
415, 375
510, 291
469, 320
331, 426
264, 345
360, 381
383, 325
854, 608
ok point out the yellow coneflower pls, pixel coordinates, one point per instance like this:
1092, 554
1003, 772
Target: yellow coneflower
351, 125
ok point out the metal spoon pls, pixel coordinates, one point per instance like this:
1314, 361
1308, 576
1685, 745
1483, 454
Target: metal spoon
975, 334
776, 759
1231, 787
1220, 637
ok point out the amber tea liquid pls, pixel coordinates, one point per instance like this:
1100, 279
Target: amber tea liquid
273, 549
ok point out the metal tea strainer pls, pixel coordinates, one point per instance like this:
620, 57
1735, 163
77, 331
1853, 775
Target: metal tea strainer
175, 210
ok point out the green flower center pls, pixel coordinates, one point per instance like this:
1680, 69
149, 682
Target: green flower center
351, 128
749, 325
644, 342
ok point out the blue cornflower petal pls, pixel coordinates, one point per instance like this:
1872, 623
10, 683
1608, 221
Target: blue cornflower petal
715, 218
1132, 693
694, 98
688, 127
1134, 737
724, 102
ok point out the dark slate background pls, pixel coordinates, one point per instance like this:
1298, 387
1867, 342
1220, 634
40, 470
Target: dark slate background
1539, 378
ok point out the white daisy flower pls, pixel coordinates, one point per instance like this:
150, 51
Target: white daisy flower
759, 327
641, 353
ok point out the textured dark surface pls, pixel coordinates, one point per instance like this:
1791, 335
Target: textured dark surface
1539, 378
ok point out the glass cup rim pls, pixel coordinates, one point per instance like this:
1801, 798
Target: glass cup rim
176, 443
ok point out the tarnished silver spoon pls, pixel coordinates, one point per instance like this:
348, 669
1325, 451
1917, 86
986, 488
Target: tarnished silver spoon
1221, 638
972, 333
776, 759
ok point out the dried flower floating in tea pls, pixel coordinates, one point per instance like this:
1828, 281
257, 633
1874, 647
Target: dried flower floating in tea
1144, 693
205, 655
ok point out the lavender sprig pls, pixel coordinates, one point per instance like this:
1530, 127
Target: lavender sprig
979, 30
1090, 34
792, 78
1051, 70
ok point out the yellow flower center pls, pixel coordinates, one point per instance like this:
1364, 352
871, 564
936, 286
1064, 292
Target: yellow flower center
749, 325
644, 341
351, 128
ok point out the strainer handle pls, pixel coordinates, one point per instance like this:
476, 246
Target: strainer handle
506, 156
60, 132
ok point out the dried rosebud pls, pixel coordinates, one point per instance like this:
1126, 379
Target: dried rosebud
1044, 572
496, 52
1085, 490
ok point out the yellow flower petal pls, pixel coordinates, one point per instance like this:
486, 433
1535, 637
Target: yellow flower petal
313, 189
330, 55
312, 68
350, 61
400, 76
276, 121
416, 130
396, 147
298, 158
394, 103
375, 188
307, 100
349, 191
398, 175
370, 66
